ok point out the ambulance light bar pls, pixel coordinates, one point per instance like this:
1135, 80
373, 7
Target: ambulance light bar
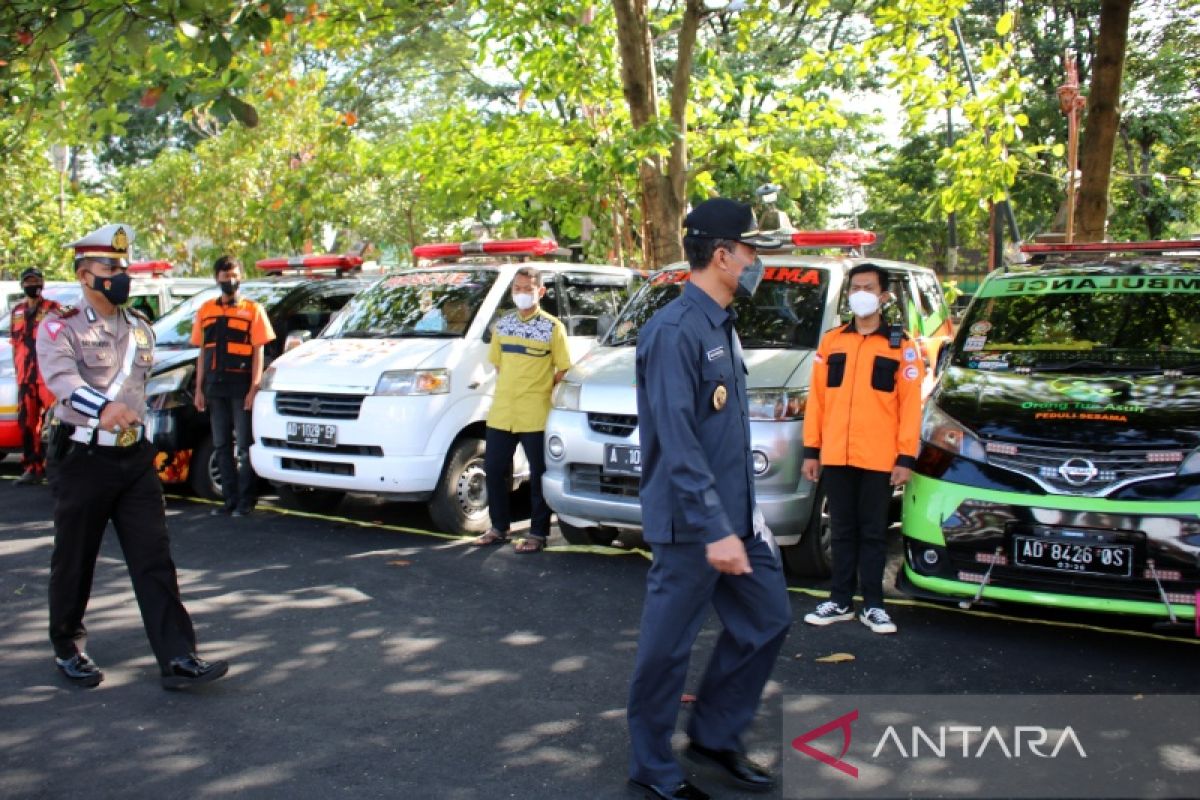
1111, 247
323, 263
153, 268
848, 238
500, 247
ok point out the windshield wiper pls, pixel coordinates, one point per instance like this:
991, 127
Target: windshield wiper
1083, 363
398, 333
361, 334
758, 344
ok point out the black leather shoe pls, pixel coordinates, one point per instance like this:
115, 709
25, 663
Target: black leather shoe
741, 770
242, 512
220, 511
684, 791
80, 670
192, 670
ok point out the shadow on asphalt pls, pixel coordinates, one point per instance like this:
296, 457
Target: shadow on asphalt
372, 663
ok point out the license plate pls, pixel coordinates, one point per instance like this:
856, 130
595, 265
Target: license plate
1060, 555
314, 433
620, 459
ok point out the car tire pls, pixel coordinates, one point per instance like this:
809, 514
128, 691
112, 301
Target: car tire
596, 534
812, 556
310, 499
459, 502
203, 475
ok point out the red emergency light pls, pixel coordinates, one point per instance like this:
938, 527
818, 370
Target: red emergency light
1112, 247
848, 238
153, 268
500, 247
329, 261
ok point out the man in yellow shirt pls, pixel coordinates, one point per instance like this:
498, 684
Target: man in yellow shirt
529, 350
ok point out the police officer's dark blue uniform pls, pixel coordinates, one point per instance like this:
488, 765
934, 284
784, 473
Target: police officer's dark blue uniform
698, 490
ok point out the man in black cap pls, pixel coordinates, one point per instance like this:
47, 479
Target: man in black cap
33, 398
697, 495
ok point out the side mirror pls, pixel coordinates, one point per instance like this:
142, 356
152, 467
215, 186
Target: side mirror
603, 323
295, 339
943, 356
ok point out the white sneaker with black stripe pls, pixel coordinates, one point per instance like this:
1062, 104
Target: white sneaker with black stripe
877, 620
828, 613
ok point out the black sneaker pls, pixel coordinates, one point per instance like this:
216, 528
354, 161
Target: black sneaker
877, 620
29, 478
829, 612
80, 670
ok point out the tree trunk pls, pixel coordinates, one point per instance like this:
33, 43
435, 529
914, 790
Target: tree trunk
1100, 128
664, 185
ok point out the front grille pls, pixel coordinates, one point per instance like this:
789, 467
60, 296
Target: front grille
327, 406
588, 479
1109, 469
612, 424
324, 467
341, 449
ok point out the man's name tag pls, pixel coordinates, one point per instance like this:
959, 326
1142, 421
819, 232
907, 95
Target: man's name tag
715, 353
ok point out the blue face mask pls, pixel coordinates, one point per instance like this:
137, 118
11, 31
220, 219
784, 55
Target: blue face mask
750, 278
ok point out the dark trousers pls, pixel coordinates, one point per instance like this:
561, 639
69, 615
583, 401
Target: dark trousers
230, 422
91, 487
497, 462
31, 407
858, 515
756, 614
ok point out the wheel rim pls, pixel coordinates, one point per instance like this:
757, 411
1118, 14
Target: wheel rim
214, 475
471, 489
825, 537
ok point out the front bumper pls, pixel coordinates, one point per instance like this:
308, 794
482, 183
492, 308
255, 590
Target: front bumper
579, 490
953, 532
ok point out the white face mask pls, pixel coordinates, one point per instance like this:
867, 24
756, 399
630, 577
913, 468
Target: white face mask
864, 304
523, 300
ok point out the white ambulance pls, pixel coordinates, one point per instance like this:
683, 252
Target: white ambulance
391, 398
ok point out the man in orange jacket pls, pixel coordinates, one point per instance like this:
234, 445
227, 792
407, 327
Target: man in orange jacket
33, 398
862, 425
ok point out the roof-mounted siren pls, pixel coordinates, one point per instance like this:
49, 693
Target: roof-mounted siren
853, 240
312, 264
772, 219
150, 269
514, 248
1039, 252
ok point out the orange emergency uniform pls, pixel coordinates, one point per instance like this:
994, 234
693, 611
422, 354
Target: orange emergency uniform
864, 402
228, 333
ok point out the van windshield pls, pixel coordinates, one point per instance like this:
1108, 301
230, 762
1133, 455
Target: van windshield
432, 304
786, 311
174, 329
1065, 323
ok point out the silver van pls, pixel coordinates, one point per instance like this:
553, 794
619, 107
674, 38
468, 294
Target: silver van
592, 452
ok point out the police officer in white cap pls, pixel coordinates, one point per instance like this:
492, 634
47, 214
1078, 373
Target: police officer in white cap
95, 358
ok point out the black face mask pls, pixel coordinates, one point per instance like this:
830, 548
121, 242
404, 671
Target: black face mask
33, 291
115, 288
229, 287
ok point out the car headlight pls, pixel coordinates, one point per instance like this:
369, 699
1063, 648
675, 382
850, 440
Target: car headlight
1191, 464
170, 381
566, 396
777, 404
941, 430
413, 382
268, 378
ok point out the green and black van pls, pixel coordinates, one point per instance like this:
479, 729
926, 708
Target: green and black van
1060, 460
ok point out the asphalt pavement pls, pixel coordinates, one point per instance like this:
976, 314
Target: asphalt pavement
372, 658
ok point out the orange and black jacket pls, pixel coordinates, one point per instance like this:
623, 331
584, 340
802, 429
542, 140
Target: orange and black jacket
22, 329
228, 334
864, 403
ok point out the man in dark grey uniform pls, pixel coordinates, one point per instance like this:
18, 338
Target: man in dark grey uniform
94, 359
698, 517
